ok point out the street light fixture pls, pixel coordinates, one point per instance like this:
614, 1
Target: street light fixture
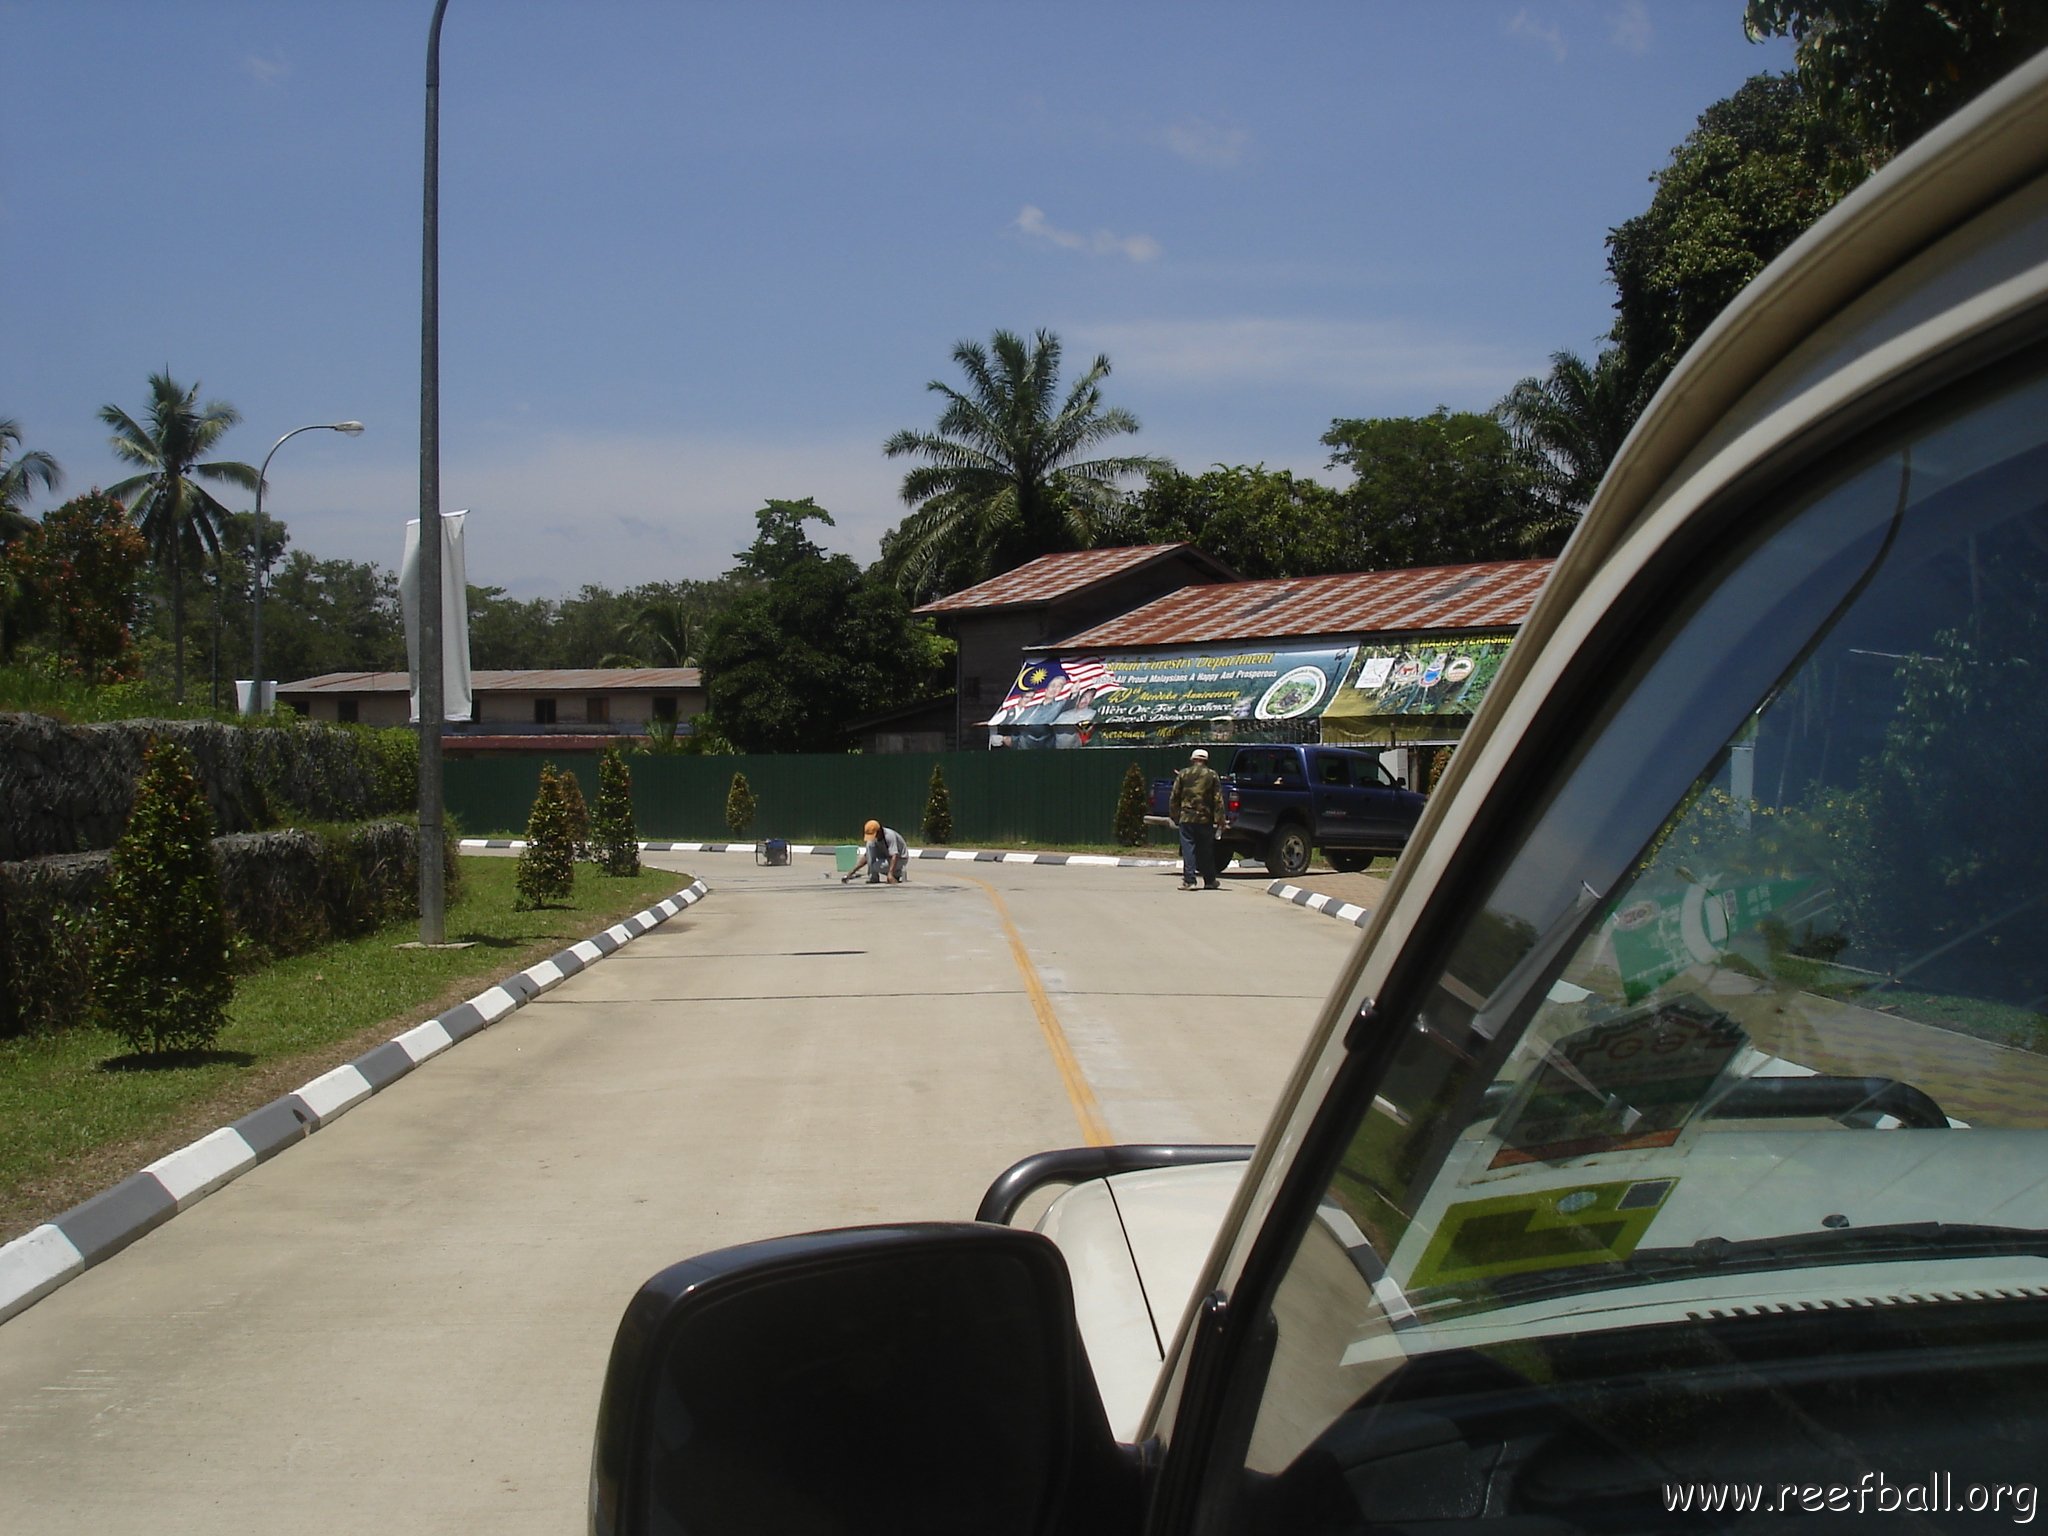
254, 704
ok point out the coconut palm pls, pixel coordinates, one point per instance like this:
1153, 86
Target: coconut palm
1573, 421
178, 517
1004, 479
661, 633
21, 476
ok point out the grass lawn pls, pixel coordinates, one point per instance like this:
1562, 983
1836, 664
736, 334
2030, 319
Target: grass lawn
78, 1115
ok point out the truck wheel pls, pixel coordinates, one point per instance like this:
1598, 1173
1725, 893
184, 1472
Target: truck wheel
1287, 852
1349, 863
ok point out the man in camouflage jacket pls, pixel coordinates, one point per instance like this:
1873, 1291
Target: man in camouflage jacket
1196, 806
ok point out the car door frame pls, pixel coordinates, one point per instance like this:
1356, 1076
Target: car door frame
1868, 312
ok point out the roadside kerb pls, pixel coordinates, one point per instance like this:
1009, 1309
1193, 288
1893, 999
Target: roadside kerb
1316, 901
43, 1259
956, 855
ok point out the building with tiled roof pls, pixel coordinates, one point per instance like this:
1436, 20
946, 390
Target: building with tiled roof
1444, 599
995, 622
562, 709
1399, 659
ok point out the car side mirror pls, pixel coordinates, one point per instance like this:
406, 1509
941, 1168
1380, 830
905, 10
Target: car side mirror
909, 1379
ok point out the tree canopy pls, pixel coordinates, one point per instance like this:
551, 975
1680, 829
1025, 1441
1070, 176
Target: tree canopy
177, 515
1883, 72
1569, 425
1005, 478
815, 645
1449, 488
22, 475
1758, 169
1257, 521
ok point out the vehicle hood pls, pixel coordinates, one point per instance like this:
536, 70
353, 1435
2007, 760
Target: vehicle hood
1134, 1246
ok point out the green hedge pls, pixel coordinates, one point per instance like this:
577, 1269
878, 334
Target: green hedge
69, 788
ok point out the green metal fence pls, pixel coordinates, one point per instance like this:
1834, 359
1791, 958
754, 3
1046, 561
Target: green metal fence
1050, 798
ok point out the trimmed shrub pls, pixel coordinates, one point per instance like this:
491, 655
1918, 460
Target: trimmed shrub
938, 810
575, 813
739, 806
547, 868
160, 977
617, 842
285, 893
1129, 825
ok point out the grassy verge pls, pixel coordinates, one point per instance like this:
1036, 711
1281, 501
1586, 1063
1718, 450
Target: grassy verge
77, 1115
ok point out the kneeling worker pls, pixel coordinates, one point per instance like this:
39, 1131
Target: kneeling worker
884, 855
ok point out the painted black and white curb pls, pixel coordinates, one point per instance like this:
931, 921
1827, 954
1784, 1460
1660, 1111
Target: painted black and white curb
1315, 901
954, 855
36, 1263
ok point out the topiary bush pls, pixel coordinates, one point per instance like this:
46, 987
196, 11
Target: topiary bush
284, 893
1129, 825
616, 842
160, 976
575, 813
739, 806
547, 867
938, 810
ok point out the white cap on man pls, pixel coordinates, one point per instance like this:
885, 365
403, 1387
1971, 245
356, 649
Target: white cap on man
1201, 755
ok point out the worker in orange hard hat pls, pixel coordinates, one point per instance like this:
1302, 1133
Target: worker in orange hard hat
884, 855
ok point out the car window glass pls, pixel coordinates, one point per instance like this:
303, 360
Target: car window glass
1289, 768
1750, 1034
1333, 770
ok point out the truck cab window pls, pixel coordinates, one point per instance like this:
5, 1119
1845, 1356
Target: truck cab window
1753, 1009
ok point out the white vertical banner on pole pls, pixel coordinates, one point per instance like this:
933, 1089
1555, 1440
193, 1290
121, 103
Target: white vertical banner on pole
455, 698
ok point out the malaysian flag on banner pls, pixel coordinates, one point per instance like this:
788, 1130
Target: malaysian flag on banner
1083, 673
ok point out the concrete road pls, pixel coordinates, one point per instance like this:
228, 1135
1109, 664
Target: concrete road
401, 1324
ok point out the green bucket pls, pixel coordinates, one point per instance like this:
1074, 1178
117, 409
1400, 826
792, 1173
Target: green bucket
848, 857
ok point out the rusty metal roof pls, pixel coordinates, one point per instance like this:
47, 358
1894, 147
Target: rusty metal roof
1051, 577
560, 680
1441, 597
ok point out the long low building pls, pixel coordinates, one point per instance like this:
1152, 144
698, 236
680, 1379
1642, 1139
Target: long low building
1394, 659
566, 709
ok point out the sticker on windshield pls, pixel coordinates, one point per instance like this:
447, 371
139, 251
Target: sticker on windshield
1549, 1229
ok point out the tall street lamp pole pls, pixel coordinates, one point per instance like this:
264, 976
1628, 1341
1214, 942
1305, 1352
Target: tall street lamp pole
255, 704
433, 885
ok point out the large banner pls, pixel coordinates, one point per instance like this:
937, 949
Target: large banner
1287, 693
1397, 690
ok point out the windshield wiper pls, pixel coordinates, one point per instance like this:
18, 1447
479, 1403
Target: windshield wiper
1720, 1255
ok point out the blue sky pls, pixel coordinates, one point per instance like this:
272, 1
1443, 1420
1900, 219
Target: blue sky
694, 256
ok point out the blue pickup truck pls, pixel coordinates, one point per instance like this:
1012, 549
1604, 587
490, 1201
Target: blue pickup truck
1281, 803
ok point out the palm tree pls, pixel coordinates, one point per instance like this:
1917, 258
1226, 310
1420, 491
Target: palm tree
662, 633
21, 475
176, 515
1572, 422
1004, 481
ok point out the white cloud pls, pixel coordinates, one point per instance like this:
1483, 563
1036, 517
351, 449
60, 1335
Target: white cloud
1545, 34
1033, 222
1629, 27
1201, 142
551, 515
267, 69
1367, 359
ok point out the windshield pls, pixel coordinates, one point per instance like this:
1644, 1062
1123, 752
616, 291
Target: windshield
1754, 1021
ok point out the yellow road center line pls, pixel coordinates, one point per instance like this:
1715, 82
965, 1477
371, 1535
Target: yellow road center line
1094, 1131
